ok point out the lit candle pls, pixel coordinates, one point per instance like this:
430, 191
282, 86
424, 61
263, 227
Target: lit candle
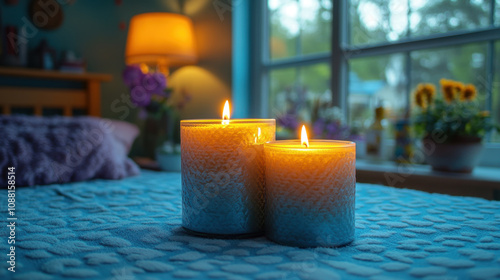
310, 192
223, 175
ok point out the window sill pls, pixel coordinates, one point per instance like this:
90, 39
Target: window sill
482, 182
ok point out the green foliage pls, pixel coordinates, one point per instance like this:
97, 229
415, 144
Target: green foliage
454, 119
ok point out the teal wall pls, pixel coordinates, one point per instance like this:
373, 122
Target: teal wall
91, 29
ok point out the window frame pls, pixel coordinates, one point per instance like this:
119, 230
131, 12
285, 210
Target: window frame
341, 52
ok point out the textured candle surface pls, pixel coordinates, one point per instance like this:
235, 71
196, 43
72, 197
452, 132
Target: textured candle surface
310, 192
223, 175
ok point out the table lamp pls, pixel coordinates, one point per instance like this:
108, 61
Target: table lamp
161, 40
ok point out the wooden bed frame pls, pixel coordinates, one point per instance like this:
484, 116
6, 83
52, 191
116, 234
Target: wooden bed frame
88, 98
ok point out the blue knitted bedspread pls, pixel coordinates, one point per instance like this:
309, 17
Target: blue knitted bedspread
130, 229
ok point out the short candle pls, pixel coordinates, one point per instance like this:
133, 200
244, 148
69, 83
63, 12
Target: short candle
310, 192
223, 177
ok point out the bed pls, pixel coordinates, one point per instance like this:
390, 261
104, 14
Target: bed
131, 229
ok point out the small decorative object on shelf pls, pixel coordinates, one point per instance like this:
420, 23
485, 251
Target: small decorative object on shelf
69, 62
16, 49
310, 192
168, 156
375, 137
44, 56
452, 126
160, 112
223, 179
403, 149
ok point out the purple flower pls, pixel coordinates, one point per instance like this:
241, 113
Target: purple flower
356, 137
132, 75
331, 130
288, 121
154, 83
319, 127
139, 96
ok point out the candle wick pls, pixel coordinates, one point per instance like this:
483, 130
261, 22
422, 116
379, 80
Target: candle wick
306, 145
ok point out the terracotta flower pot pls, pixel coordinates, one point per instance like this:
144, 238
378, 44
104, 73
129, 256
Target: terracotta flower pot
459, 155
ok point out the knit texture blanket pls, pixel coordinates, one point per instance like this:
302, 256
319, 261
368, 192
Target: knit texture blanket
131, 229
47, 150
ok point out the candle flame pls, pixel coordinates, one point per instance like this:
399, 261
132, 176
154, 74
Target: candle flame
225, 113
303, 137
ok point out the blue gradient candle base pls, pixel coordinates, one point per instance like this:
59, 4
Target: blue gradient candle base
305, 225
222, 209
310, 193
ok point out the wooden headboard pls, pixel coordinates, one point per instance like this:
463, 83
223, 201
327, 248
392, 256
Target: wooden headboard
67, 99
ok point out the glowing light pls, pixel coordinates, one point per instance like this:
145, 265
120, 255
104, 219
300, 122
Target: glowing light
303, 137
226, 113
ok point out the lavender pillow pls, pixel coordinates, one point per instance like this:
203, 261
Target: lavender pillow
47, 150
124, 132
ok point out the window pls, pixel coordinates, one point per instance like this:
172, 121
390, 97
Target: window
495, 101
298, 56
359, 53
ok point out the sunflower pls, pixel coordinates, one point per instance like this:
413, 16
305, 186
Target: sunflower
449, 89
420, 100
428, 90
469, 93
459, 88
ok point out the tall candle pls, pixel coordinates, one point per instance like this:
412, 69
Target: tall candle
310, 192
223, 175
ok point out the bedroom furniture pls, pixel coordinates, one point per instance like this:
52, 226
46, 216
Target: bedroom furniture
132, 229
68, 99
162, 40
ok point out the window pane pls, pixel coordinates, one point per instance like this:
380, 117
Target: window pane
495, 106
299, 27
375, 80
282, 91
285, 27
438, 16
497, 12
380, 21
316, 23
377, 21
465, 63
294, 91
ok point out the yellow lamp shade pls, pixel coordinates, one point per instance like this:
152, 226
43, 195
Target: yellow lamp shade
160, 38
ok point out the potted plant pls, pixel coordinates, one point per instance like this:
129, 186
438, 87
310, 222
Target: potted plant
160, 112
451, 125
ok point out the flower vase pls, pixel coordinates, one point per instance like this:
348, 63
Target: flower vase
461, 154
154, 134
